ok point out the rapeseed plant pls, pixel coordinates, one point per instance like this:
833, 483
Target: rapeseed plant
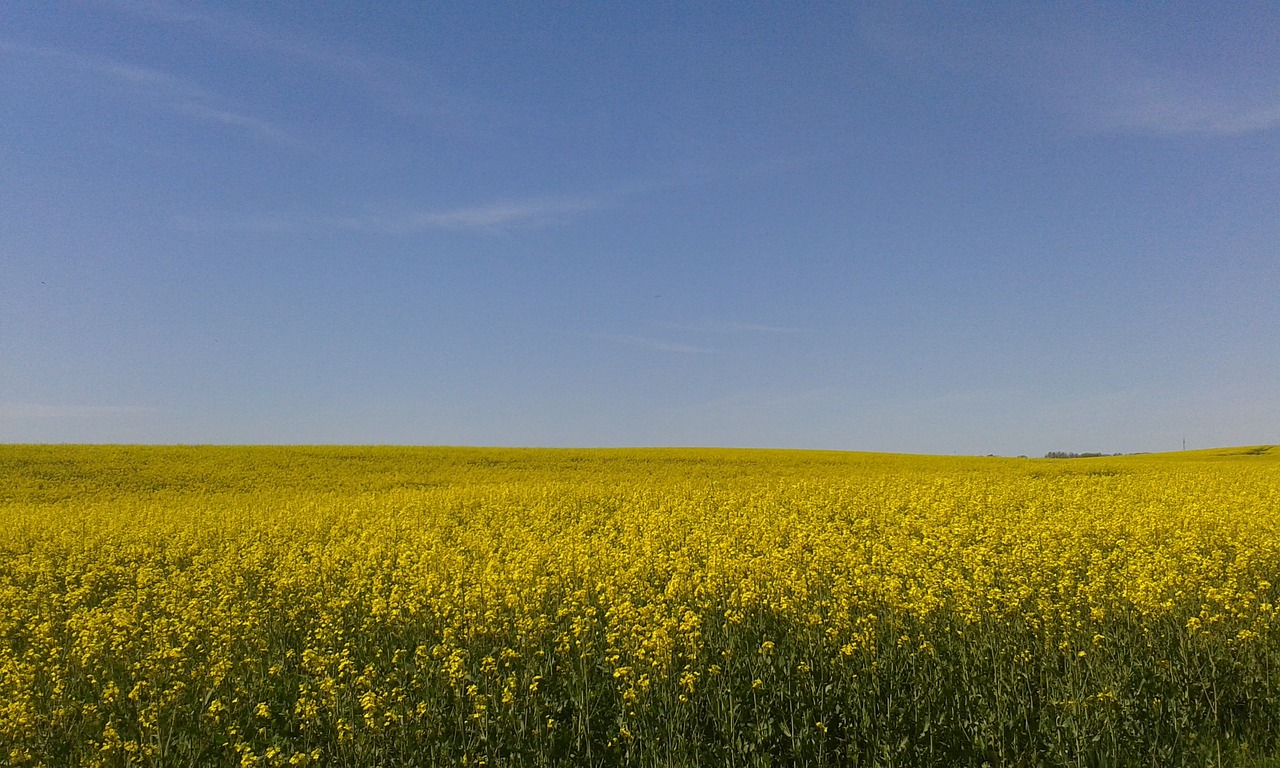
379, 606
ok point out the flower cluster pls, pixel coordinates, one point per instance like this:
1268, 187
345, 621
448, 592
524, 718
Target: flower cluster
380, 606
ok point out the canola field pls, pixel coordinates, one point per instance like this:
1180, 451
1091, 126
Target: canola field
193, 606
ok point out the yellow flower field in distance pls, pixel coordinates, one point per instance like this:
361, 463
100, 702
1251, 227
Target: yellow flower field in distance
357, 606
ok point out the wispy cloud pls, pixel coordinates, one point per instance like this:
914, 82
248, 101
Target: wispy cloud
1167, 105
164, 89
1084, 68
658, 344
141, 76
239, 30
400, 87
730, 328
1111, 91
499, 215
395, 220
257, 127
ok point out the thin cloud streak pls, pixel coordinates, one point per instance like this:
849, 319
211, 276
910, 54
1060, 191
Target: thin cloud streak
662, 346
239, 30
1093, 80
262, 129
499, 216
143, 76
730, 328
402, 87
1111, 91
167, 90
1164, 106
520, 213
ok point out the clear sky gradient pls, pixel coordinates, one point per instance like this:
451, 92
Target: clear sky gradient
971, 229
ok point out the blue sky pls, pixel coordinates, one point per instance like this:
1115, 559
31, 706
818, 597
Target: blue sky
970, 228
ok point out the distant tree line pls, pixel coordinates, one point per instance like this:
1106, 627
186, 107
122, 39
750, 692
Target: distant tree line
1074, 455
